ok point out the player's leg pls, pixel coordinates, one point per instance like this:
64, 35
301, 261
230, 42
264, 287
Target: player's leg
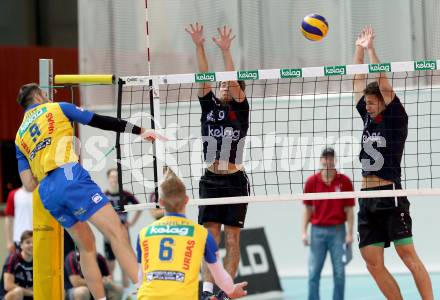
401, 234
237, 184
85, 241
232, 245
373, 237
210, 217
70, 199
405, 249
373, 256
215, 230
108, 223
87, 202
125, 279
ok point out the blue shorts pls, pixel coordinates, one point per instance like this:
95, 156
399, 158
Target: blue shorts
70, 195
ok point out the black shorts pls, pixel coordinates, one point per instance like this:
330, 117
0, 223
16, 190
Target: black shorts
229, 185
381, 221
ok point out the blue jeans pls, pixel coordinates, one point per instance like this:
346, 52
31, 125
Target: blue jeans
323, 239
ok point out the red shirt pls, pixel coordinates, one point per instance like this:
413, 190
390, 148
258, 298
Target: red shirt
19, 206
328, 212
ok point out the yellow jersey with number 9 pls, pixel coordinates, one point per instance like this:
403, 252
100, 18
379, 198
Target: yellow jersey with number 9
171, 250
45, 138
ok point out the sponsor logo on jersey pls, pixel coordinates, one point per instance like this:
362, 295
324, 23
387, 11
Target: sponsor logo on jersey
97, 198
79, 212
25, 147
51, 123
40, 146
146, 254
30, 119
179, 230
188, 254
222, 132
165, 275
371, 137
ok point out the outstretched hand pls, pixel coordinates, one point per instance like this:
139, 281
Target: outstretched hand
239, 290
151, 135
366, 37
224, 39
196, 33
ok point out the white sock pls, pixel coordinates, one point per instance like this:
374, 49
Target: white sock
208, 287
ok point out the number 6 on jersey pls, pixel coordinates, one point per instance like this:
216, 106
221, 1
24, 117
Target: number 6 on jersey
166, 249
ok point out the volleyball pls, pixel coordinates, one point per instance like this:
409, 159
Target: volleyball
314, 27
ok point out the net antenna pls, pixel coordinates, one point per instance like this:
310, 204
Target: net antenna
294, 114
152, 89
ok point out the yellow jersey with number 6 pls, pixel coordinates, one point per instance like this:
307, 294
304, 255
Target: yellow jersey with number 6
171, 251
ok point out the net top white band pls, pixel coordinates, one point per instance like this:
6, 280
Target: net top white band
299, 197
407, 66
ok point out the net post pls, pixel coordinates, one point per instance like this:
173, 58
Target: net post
118, 136
48, 234
153, 126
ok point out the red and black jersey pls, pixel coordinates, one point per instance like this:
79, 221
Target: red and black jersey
226, 125
383, 140
21, 269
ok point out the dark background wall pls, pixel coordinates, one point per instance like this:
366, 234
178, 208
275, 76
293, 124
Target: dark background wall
30, 30
39, 22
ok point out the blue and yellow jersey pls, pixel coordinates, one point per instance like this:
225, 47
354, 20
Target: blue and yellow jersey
171, 251
44, 140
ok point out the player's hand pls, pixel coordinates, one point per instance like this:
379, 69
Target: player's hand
349, 239
305, 239
152, 135
366, 37
107, 281
11, 248
196, 33
239, 290
224, 40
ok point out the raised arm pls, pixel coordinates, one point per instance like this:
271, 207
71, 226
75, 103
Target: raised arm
224, 41
359, 82
384, 84
196, 33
